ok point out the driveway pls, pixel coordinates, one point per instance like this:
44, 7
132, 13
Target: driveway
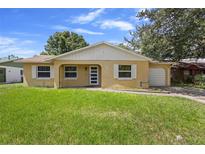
186, 92
196, 93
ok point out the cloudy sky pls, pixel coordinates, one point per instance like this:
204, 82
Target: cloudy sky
24, 32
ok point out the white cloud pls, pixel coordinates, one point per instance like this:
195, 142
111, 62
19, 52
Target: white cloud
27, 42
59, 27
17, 51
24, 34
85, 31
82, 19
5, 41
77, 30
15, 46
122, 25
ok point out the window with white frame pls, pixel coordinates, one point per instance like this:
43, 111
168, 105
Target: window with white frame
70, 72
124, 71
43, 72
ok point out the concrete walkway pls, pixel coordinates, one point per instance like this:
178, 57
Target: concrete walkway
197, 98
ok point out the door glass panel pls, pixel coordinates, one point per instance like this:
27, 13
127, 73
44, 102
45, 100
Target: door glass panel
93, 71
94, 68
93, 74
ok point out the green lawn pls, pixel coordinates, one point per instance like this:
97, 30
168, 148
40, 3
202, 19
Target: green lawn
74, 116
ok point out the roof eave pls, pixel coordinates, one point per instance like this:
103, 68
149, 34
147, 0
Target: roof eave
34, 62
164, 63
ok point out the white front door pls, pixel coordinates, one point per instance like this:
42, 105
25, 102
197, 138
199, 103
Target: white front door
93, 73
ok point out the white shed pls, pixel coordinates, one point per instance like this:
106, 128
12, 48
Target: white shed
10, 72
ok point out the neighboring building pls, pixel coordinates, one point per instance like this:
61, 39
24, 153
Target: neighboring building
187, 69
102, 64
10, 72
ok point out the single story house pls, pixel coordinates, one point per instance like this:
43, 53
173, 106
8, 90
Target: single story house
10, 72
102, 64
187, 69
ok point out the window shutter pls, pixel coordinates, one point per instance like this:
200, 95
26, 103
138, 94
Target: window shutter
34, 71
115, 71
134, 70
52, 72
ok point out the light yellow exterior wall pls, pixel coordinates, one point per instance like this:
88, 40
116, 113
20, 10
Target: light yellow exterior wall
82, 79
106, 74
29, 81
107, 77
167, 68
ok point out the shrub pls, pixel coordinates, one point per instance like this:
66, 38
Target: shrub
199, 79
189, 79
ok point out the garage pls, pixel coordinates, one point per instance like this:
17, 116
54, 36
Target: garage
157, 77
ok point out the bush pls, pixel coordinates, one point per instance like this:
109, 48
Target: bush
189, 79
199, 79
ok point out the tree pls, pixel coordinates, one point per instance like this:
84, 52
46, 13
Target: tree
172, 34
133, 42
124, 46
10, 57
61, 42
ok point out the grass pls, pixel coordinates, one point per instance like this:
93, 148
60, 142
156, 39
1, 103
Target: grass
76, 116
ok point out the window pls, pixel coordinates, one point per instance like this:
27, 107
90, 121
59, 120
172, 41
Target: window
70, 72
43, 71
124, 71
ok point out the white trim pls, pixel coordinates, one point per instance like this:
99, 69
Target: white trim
115, 71
134, 71
33, 71
42, 78
127, 78
71, 78
66, 78
52, 72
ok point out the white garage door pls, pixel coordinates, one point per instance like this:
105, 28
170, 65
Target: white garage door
156, 77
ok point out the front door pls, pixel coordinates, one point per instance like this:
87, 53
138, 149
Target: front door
94, 75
